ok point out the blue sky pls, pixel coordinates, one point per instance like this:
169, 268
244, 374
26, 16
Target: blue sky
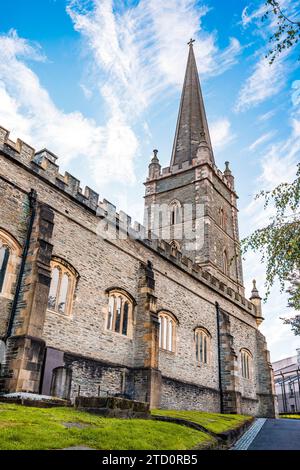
98, 83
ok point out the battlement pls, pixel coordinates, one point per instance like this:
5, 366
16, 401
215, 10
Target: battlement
43, 163
180, 168
107, 211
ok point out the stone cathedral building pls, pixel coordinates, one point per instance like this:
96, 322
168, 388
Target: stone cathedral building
91, 302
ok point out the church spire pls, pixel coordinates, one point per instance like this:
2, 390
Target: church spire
192, 130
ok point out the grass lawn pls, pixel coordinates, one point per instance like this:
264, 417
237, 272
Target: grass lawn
214, 422
28, 428
290, 416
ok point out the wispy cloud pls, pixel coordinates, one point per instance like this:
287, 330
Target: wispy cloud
249, 16
134, 56
266, 116
253, 14
278, 165
264, 82
133, 63
27, 109
261, 140
221, 133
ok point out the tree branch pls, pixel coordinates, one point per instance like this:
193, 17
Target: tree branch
277, 5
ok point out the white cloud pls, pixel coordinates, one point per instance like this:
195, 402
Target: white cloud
266, 116
278, 165
296, 94
256, 14
261, 140
28, 111
142, 50
221, 135
280, 339
86, 91
265, 81
288, 7
132, 62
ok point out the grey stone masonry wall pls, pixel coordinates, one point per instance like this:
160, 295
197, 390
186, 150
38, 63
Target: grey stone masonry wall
207, 192
25, 346
229, 367
14, 210
265, 385
90, 378
74, 225
179, 395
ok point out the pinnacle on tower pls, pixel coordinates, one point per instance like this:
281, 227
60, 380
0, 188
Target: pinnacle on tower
154, 166
192, 133
228, 175
256, 300
254, 292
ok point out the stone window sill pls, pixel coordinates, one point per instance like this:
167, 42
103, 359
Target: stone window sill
61, 315
3, 295
166, 351
115, 333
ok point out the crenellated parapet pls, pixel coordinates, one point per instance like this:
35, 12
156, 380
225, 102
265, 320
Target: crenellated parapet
161, 173
139, 232
44, 164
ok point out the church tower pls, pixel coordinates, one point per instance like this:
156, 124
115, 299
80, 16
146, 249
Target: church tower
192, 204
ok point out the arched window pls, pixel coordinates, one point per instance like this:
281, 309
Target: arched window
167, 331
62, 287
246, 363
174, 247
120, 312
175, 213
202, 345
225, 263
4, 257
10, 252
222, 218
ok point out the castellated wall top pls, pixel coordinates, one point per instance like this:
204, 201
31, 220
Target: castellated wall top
43, 164
171, 170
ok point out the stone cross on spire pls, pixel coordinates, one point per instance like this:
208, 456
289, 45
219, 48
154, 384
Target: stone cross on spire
192, 129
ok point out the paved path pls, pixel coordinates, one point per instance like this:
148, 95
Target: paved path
271, 434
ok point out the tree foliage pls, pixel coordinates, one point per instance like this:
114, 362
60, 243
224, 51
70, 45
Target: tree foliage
287, 33
279, 243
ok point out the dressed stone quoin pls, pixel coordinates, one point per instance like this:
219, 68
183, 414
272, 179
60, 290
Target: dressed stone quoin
157, 312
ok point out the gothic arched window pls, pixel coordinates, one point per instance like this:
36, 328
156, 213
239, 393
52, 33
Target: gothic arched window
202, 345
175, 213
246, 363
222, 218
120, 312
174, 247
167, 331
62, 287
10, 252
225, 263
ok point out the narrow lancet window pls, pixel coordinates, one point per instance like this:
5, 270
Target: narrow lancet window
202, 345
167, 332
120, 313
62, 287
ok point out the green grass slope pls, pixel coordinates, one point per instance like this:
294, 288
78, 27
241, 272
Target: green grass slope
214, 422
28, 428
